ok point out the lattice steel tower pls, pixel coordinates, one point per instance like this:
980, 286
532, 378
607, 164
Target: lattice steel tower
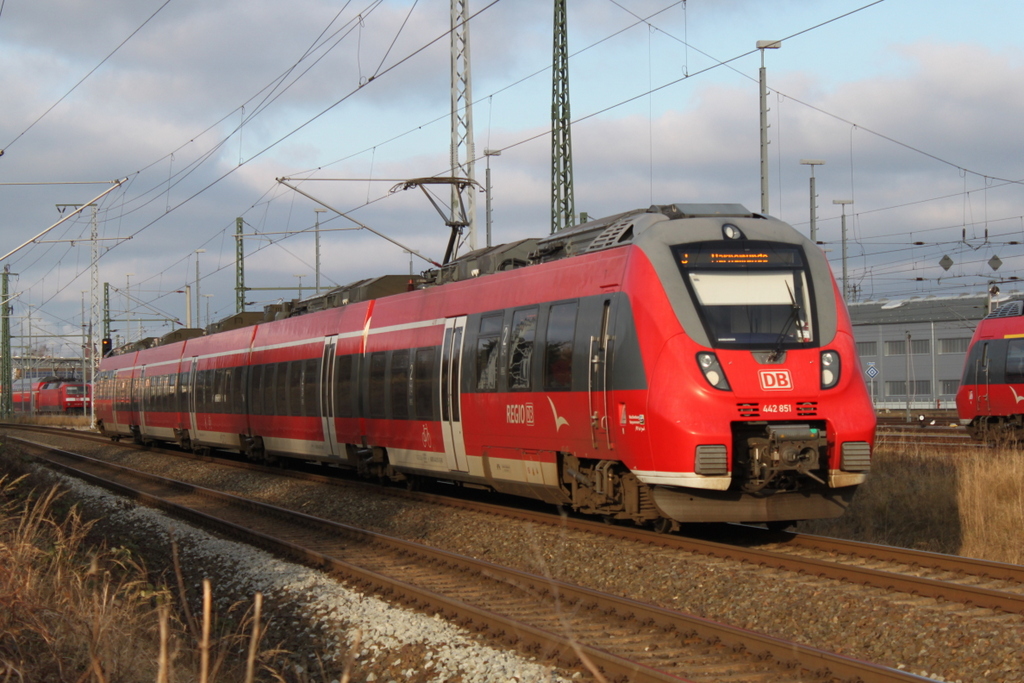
562, 203
463, 152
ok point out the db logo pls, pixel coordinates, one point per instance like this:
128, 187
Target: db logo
775, 380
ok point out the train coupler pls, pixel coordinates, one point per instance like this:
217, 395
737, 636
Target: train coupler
783, 450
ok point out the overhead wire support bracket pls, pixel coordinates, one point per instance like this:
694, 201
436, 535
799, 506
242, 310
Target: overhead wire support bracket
116, 183
284, 181
458, 185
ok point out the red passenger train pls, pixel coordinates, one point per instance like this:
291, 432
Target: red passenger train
684, 363
992, 387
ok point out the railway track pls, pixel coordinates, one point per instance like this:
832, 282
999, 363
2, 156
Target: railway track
627, 640
950, 579
950, 438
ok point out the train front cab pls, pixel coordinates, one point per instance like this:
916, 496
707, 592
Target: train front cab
775, 423
992, 385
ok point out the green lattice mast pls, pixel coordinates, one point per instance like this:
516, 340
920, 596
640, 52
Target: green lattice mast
562, 204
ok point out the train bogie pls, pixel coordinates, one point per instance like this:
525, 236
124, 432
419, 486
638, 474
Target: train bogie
680, 364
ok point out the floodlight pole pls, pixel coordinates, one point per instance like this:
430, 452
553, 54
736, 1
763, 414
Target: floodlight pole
763, 45
814, 196
846, 286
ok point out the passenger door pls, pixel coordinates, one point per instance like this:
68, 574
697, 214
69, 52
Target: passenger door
597, 382
450, 385
192, 402
982, 374
327, 410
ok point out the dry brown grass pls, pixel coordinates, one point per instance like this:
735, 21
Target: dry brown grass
991, 502
75, 421
70, 611
909, 500
927, 498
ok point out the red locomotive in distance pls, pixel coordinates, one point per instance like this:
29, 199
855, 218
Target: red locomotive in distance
992, 386
64, 395
684, 363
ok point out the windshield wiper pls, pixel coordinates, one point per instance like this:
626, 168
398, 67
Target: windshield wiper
793, 315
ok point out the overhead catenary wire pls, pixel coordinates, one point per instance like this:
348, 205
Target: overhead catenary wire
270, 191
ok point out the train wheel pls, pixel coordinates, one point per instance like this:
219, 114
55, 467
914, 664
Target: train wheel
663, 525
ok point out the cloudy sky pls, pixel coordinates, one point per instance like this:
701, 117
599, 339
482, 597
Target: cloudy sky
915, 107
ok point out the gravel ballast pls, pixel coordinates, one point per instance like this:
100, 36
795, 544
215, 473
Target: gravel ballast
948, 642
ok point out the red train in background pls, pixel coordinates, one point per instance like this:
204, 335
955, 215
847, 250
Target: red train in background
992, 386
47, 395
683, 363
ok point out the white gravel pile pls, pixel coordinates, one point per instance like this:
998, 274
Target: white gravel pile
330, 616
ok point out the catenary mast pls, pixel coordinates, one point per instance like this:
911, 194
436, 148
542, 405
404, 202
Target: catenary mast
462, 151
562, 203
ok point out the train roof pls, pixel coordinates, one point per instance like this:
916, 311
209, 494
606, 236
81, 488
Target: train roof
596, 235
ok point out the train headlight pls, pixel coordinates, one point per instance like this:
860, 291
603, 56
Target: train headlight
829, 369
712, 370
731, 232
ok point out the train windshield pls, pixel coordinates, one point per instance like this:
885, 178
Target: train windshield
749, 294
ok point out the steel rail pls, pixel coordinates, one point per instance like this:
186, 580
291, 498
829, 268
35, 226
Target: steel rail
829, 569
818, 662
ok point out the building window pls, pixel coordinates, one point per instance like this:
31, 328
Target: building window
920, 347
898, 387
896, 348
868, 348
958, 345
950, 387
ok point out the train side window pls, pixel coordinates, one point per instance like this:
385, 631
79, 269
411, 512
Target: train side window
343, 387
1015, 361
238, 392
271, 393
256, 388
561, 330
209, 389
290, 382
199, 400
183, 388
488, 351
376, 397
311, 387
172, 389
162, 383
424, 383
520, 362
399, 381
221, 381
